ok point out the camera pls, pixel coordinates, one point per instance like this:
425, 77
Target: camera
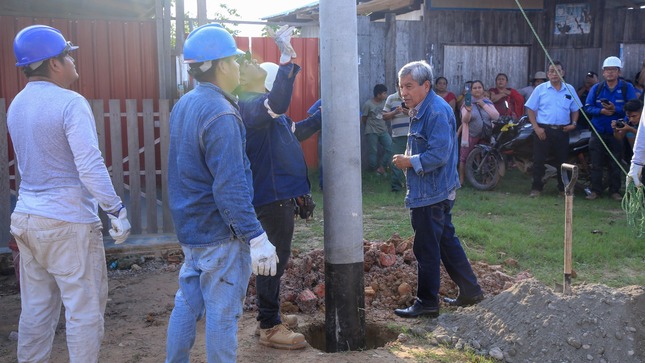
620, 123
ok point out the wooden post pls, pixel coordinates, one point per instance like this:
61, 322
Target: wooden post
568, 221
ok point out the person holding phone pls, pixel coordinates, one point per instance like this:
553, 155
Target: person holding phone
605, 103
474, 116
396, 112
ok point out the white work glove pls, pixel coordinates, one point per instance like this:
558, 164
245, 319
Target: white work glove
264, 260
635, 175
282, 38
120, 225
269, 110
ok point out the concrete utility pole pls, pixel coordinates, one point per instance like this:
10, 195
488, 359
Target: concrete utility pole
344, 284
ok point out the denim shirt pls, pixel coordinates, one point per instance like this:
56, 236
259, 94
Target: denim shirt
273, 147
432, 145
209, 177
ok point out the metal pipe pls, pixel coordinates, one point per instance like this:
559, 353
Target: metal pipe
344, 284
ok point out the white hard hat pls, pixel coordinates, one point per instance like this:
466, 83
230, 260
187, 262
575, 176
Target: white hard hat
272, 71
612, 62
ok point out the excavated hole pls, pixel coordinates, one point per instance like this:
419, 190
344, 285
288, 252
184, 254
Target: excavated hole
376, 335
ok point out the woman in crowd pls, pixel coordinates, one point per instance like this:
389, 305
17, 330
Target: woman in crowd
441, 88
473, 118
507, 101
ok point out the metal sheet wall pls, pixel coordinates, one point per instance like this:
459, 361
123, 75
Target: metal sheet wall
306, 88
116, 59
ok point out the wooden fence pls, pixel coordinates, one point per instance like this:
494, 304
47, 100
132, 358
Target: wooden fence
134, 144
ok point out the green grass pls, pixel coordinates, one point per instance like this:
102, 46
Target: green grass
506, 223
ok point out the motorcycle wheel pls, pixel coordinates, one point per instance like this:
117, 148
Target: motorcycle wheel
482, 169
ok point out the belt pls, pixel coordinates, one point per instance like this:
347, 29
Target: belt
554, 127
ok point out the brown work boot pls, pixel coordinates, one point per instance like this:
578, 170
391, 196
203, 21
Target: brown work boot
291, 321
280, 337
616, 196
592, 196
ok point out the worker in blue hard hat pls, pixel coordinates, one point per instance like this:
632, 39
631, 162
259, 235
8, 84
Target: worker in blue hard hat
210, 190
55, 222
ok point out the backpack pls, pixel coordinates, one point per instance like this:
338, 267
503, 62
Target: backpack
602, 84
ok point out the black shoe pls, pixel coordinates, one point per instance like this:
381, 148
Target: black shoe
464, 301
417, 310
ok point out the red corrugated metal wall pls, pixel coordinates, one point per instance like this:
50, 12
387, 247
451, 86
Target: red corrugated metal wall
116, 59
306, 89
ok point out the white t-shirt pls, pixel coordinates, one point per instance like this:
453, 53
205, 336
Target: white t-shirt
58, 157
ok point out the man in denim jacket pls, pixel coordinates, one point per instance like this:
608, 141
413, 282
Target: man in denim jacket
279, 176
430, 165
210, 193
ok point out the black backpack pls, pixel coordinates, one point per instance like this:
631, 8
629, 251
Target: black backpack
602, 84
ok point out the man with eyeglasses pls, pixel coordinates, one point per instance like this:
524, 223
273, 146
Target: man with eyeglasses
55, 222
553, 111
605, 104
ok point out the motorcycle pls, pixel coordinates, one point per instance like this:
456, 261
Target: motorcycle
512, 141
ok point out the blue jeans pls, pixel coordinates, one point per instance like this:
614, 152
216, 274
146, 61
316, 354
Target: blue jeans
212, 282
372, 143
399, 144
278, 222
435, 241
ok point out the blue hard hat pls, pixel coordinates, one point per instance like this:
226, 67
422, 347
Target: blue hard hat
209, 42
39, 42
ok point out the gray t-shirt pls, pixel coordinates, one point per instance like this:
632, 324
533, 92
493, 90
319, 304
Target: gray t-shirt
62, 169
374, 112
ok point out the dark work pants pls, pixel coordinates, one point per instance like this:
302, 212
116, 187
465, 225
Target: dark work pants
557, 143
277, 219
600, 158
435, 241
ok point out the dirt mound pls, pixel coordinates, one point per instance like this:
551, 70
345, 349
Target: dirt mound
531, 323
521, 320
390, 278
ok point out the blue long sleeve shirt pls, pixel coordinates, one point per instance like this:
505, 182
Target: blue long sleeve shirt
209, 177
273, 147
601, 122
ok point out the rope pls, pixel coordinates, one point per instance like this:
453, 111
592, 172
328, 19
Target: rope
633, 202
634, 207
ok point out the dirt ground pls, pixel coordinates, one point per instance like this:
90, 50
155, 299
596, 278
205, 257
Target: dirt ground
521, 320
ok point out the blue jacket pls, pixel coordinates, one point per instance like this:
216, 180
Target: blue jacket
432, 144
209, 177
601, 122
277, 160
